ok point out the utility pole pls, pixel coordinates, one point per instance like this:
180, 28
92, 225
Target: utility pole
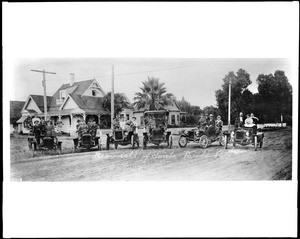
229, 106
112, 100
44, 85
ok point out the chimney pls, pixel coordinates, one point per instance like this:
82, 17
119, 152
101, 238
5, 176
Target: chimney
72, 78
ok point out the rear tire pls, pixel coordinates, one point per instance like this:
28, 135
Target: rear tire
182, 142
144, 142
203, 141
170, 142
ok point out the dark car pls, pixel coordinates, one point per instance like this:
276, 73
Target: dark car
47, 143
87, 141
123, 137
202, 136
155, 131
244, 136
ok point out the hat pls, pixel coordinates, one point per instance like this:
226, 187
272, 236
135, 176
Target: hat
78, 121
211, 115
36, 120
134, 117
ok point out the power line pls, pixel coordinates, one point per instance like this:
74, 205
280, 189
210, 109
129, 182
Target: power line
130, 73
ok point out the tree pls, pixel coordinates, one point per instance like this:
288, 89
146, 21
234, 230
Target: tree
274, 97
120, 102
211, 110
241, 97
154, 95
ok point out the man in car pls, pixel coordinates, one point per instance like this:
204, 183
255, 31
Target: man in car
202, 123
211, 125
93, 128
82, 129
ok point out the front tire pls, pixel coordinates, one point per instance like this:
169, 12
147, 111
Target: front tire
182, 141
170, 142
144, 142
203, 141
226, 141
255, 142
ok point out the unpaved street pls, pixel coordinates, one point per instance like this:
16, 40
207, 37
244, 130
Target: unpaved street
273, 162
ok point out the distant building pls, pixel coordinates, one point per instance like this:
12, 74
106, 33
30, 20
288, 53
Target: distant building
71, 102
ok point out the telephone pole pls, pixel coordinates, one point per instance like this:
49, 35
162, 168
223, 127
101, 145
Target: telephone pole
44, 85
229, 106
112, 100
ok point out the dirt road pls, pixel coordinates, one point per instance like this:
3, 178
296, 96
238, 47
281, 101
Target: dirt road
272, 162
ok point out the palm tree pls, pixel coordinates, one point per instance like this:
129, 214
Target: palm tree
153, 95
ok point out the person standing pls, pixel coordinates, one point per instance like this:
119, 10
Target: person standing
218, 124
202, 123
239, 121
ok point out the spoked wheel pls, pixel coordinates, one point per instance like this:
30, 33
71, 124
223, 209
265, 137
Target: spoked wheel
226, 141
107, 143
132, 141
33, 147
255, 142
261, 143
222, 140
144, 142
99, 144
182, 141
170, 141
203, 141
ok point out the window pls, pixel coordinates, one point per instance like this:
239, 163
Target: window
177, 118
94, 93
173, 119
63, 94
127, 116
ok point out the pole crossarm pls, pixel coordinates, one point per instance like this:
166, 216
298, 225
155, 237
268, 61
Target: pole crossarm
44, 86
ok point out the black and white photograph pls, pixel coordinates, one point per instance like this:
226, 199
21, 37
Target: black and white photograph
167, 119
143, 119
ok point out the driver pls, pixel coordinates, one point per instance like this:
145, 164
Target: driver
83, 128
202, 123
248, 121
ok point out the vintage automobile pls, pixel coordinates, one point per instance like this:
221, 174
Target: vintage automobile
244, 136
203, 136
155, 131
123, 137
47, 143
87, 141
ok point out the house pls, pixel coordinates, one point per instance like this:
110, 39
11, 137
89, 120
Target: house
71, 102
15, 113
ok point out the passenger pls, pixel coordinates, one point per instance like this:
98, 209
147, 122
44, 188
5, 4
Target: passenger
50, 131
43, 127
211, 121
248, 121
78, 124
93, 128
116, 123
255, 119
83, 129
218, 124
211, 130
122, 123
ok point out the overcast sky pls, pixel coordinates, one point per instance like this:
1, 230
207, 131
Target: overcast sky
194, 79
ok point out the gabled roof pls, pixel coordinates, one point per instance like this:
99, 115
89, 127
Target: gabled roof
89, 103
39, 100
15, 109
80, 88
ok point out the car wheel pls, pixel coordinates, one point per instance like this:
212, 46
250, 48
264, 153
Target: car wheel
226, 141
182, 141
107, 143
222, 140
170, 142
33, 149
255, 143
59, 149
261, 143
99, 144
144, 142
203, 141
132, 141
